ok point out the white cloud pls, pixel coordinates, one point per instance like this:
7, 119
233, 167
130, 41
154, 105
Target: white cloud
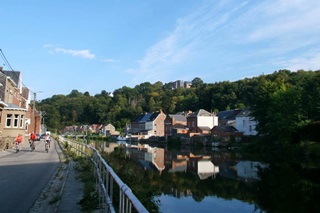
308, 61
248, 34
79, 53
281, 19
182, 43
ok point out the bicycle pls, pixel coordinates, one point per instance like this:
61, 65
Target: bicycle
17, 147
32, 145
47, 146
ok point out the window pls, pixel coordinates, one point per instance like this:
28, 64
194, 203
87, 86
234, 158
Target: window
16, 120
8, 120
21, 121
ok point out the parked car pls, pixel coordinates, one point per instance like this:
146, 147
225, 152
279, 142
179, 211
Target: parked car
42, 136
37, 137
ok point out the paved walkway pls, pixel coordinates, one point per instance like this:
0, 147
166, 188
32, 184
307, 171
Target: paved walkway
72, 192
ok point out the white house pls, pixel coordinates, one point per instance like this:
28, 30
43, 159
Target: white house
246, 123
202, 121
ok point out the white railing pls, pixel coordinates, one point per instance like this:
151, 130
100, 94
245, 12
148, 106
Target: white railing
105, 178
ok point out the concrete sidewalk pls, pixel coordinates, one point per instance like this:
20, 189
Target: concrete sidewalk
63, 191
72, 192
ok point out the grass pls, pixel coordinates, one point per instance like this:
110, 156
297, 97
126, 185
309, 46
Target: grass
55, 199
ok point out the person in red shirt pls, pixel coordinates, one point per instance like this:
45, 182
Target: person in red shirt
32, 140
18, 140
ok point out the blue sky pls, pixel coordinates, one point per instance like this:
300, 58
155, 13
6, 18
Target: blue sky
61, 45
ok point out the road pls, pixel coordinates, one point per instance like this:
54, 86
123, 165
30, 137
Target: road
24, 175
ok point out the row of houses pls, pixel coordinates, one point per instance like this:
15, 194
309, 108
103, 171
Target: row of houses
17, 114
201, 124
189, 124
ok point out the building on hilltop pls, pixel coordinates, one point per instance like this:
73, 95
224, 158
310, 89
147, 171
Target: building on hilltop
180, 83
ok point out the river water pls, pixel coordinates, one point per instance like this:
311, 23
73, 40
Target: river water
205, 179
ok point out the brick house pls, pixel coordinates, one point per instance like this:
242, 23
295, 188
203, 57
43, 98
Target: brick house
225, 133
175, 124
201, 122
148, 124
17, 116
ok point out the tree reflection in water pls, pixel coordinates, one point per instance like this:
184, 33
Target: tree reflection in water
276, 187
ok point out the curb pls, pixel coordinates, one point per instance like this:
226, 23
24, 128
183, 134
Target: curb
62, 154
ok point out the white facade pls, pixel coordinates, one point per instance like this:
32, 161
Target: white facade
249, 169
246, 124
208, 121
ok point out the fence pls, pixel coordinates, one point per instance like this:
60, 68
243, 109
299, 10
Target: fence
105, 179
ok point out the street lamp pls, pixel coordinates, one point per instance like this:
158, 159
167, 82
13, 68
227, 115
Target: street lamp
33, 110
42, 126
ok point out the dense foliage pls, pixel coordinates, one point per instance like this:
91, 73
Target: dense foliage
282, 102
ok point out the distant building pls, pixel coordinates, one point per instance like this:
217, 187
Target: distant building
181, 83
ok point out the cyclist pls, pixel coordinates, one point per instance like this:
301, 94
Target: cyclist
18, 140
32, 140
48, 139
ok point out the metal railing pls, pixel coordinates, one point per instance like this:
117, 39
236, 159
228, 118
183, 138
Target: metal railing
106, 179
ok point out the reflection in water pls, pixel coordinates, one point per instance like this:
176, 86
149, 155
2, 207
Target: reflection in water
207, 169
220, 181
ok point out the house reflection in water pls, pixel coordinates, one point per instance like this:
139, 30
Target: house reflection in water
202, 165
207, 169
248, 170
148, 154
180, 164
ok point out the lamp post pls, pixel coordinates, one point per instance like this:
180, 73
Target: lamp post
33, 110
42, 127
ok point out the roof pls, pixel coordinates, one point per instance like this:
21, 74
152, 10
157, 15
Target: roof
244, 113
201, 112
145, 117
151, 116
228, 114
14, 75
14, 107
3, 104
225, 129
178, 117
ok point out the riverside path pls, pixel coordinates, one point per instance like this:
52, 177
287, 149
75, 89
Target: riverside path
24, 175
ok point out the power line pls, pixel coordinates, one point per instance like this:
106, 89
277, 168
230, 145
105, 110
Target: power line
5, 59
14, 72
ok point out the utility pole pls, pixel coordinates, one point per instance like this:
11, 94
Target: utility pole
43, 126
33, 111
